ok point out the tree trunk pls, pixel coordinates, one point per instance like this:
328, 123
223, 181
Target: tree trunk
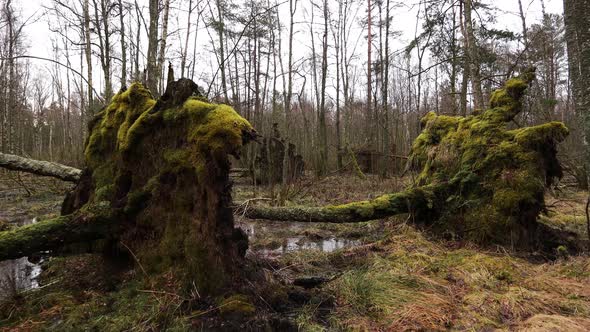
474, 66
370, 121
88, 54
152, 52
163, 40
123, 48
577, 34
323, 132
476, 178
94, 223
184, 51
220, 34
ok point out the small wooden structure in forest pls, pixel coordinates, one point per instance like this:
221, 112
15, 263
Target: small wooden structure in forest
270, 161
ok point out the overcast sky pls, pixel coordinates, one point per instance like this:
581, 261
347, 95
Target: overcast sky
38, 33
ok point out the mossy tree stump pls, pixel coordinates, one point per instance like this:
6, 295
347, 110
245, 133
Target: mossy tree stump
158, 175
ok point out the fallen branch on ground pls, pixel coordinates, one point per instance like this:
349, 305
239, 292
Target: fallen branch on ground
39, 167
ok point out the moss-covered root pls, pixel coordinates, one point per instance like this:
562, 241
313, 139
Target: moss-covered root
93, 222
506, 102
420, 201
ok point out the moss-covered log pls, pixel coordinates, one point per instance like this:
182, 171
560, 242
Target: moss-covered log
39, 167
418, 201
91, 223
162, 168
494, 177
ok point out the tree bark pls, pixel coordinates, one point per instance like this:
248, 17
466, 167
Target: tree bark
152, 66
88, 55
44, 168
163, 40
123, 48
577, 34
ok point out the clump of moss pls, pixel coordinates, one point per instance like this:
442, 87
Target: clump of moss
496, 176
236, 305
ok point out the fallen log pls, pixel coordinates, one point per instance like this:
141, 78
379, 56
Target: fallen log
418, 201
94, 222
44, 168
157, 180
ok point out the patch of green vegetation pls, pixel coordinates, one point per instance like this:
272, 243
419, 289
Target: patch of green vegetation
88, 293
236, 305
408, 282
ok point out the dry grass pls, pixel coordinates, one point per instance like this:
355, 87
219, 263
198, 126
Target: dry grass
409, 282
567, 211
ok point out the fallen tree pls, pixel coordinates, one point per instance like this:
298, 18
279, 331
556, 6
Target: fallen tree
413, 200
44, 168
156, 184
475, 178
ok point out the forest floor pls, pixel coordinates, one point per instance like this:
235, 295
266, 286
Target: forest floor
382, 275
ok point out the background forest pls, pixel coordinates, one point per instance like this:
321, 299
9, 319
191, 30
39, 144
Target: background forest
444, 145
330, 74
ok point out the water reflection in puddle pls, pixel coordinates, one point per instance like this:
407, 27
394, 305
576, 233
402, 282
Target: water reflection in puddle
302, 243
294, 243
17, 275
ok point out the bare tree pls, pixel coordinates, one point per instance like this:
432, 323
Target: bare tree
473, 56
152, 73
123, 47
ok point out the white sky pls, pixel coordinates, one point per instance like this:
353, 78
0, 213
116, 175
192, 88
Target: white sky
38, 33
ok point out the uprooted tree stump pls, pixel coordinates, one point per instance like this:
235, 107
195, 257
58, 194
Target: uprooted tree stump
476, 178
157, 184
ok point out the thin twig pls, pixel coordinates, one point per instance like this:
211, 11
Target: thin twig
588, 220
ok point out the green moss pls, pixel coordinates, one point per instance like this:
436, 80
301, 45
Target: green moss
236, 305
105, 192
535, 137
